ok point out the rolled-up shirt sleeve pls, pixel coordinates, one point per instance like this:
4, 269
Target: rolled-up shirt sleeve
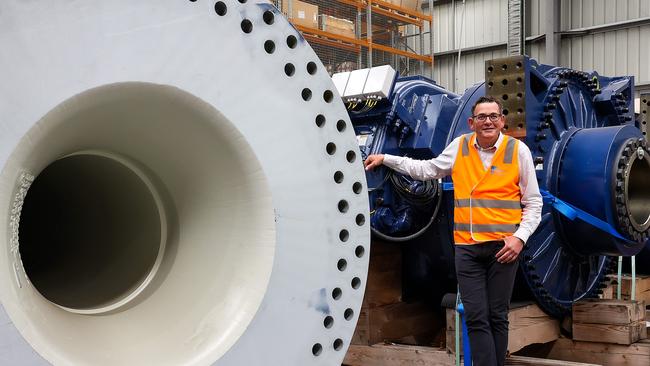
435, 168
531, 199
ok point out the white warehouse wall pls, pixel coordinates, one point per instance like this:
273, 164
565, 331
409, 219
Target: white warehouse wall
621, 49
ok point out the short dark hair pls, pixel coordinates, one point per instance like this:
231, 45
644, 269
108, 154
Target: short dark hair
488, 99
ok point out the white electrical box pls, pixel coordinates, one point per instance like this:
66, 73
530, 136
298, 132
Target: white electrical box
356, 83
341, 81
380, 80
365, 84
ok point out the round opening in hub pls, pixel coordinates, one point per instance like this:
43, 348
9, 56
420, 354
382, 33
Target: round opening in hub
149, 227
638, 195
90, 232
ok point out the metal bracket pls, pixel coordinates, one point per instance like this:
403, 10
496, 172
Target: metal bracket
505, 80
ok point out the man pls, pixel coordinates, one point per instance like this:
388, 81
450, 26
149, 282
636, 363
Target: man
497, 206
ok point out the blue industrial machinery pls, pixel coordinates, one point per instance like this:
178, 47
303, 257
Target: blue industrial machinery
591, 159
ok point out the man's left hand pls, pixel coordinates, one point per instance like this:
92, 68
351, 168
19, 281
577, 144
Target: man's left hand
510, 250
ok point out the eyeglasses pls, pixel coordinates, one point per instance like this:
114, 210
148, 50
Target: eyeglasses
482, 117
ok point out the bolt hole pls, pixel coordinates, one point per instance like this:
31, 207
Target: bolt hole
504, 97
338, 344
246, 26
338, 177
220, 8
359, 251
342, 264
328, 96
348, 314
519, 95
356, 283
490, 69
519, 80
269, 47
268, 17
357, 187
490, 84
521, 125
311, 67
360, 219
340, 125
504, 67
306, 94
317, 349
520, 111
337, 293
330, 148
519, 65
292, 41
351, 156
344, 235
505, 112
320, 120
289, 69
328, 322
343, 206
505, 127
504, 82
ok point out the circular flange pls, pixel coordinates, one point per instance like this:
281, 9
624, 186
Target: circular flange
155, 82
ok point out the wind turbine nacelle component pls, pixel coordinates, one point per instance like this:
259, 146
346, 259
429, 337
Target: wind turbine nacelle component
590, 156
151, 215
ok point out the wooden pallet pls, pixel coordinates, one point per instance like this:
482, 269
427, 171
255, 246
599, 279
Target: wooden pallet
636, 354
609, 321
642, 288
384, 316
528, 325
401, 355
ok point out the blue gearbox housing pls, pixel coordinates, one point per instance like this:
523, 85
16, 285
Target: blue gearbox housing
590, 156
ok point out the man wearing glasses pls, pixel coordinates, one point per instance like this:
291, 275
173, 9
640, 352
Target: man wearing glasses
497, 206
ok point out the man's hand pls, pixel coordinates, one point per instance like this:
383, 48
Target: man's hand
510, 250
373, 161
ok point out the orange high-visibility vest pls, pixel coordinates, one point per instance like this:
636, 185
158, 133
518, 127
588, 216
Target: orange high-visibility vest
487, 203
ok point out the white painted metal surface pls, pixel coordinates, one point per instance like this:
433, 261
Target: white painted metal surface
231, 116
380, 80
356, 83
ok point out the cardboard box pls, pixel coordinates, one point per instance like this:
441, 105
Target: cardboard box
411, 5
302, 13
343, 27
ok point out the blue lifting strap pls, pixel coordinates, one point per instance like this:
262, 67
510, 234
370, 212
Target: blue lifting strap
568, 210
571, 212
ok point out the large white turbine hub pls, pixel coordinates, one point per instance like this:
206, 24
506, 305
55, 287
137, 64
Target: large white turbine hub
179, 185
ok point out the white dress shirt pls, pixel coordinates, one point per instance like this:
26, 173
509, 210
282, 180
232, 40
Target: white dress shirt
441, 166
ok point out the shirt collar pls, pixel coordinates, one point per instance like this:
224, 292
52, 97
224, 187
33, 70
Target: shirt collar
491, 148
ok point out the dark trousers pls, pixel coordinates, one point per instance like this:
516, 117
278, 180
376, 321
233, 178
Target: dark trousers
485, 290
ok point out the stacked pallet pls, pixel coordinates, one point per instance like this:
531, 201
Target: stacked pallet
528, 325
609, 321
384, 317
642, 292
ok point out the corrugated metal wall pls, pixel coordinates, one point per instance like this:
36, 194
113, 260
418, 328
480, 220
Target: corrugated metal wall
622, 49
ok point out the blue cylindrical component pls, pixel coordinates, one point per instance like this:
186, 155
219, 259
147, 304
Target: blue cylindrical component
592, 173
587, 152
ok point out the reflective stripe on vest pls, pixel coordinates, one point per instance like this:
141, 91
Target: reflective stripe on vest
487, 202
